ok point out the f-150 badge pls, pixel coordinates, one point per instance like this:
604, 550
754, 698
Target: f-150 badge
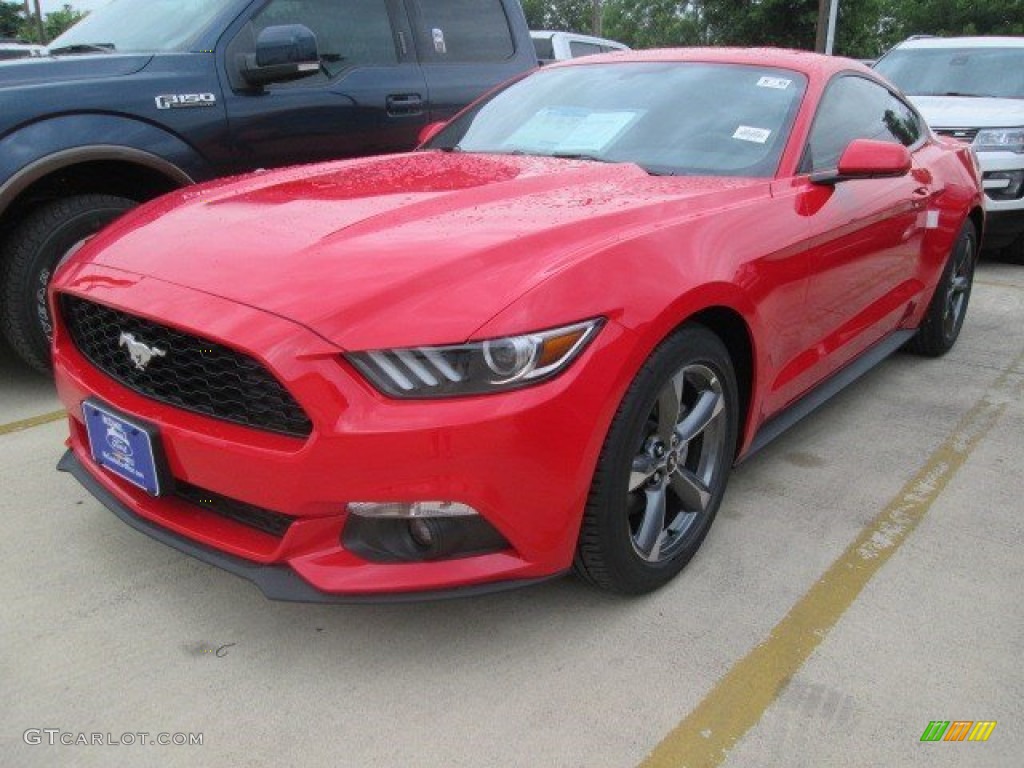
184, 100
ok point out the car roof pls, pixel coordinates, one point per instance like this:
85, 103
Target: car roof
807, 62
547, 34
963, 42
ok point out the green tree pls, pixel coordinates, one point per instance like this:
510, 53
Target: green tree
560, 15
781, 23
655, 23
54, 24
902, 18
11, 19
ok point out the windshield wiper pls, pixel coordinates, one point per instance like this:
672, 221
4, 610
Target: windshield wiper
581, 156
82, 48
962, 94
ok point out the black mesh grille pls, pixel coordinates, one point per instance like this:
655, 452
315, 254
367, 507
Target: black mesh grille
264, 520
963, 134
194, 373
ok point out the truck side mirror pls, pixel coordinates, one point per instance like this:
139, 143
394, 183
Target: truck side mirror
283, 53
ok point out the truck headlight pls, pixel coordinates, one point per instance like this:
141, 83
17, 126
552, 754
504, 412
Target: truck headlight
1000, 140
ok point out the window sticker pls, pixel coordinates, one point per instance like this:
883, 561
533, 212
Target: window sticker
756, 135
571, 130
779, 83
438, 36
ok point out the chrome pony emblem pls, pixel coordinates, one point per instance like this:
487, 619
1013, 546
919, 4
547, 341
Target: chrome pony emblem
142, 354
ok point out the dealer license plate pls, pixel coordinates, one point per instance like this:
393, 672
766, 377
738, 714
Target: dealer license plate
123, 446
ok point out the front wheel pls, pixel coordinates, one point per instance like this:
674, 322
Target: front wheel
663, 468
944, 317
31, 254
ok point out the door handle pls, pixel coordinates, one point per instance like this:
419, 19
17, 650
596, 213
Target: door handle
922, 195
401, 104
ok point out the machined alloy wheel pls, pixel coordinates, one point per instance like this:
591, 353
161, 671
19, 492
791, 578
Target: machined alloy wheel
673, 474
958, 289
944, 318
664, 465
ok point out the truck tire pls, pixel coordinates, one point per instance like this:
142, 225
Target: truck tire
28, 259
1014, 252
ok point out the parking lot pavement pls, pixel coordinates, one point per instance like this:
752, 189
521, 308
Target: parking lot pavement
862, 580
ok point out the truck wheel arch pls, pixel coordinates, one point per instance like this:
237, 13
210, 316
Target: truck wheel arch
165, 176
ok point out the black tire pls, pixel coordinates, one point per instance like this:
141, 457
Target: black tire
944, 317
620, 547
1014, 252
28, 259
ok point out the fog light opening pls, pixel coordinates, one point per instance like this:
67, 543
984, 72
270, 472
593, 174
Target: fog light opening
422, 533
418, 531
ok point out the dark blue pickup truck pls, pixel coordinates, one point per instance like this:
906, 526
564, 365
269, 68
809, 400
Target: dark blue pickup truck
144, 96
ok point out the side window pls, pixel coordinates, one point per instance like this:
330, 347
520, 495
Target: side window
464, 30
577, 48
349, 33
904, 126
544, 47
857, 108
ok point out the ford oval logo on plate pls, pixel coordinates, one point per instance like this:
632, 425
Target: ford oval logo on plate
122, 446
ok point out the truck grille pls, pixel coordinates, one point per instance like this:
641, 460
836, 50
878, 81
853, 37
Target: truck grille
194, 374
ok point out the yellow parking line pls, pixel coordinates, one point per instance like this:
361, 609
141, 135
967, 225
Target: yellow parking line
35, 421
737, 702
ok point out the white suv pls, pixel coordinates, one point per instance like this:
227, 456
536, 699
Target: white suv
558, 46
972, 88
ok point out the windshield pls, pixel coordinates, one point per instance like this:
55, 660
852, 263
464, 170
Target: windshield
997, 72
141, 26
675, 118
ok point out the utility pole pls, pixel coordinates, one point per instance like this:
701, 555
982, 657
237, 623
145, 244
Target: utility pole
830, 36
596, 22
39, 23
819, 37
824, 39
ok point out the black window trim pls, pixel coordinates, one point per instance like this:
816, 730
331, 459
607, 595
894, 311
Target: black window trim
802, 170
425, 54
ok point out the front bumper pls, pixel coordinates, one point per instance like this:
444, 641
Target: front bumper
277, 582
1003, 227
523, 459
1004, 208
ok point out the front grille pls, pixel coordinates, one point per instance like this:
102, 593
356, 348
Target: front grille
264, 520
963, 134
193, 373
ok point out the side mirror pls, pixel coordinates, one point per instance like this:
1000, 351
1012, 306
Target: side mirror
283, 53
868, 159
430, 130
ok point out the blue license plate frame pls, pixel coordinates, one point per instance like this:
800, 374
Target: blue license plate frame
125, 446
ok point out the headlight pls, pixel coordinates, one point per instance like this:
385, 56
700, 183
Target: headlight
476, 368
1000, 140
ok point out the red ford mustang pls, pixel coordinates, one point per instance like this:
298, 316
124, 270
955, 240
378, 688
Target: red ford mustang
540, 342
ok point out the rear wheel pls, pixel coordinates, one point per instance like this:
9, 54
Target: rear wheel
31, 254
945, 315
663, 467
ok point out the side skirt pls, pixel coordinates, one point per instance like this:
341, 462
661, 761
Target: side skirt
825, 391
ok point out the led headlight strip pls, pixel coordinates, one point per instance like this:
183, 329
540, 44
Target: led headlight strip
476, 368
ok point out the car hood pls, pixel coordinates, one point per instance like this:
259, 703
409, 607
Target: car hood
421, 248
47, 70
970, 112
